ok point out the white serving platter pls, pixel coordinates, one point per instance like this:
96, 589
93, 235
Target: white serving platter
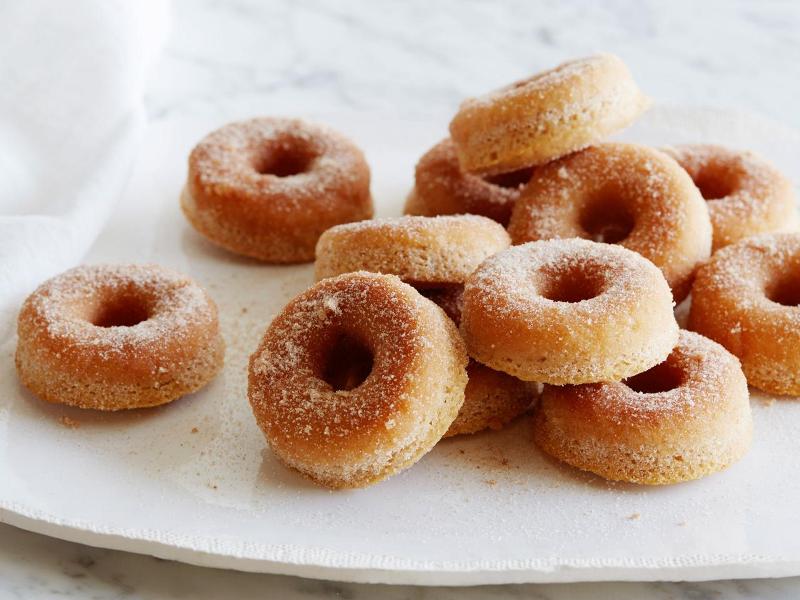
194, 482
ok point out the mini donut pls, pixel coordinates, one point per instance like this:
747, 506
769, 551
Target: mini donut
267, 188
746, 195
356, 379
553, 113
568, 311
113, 337
683, 419
491, 400
442, 188
628, 194
422, 251
746, 298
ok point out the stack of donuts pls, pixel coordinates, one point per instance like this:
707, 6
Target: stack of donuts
537, 269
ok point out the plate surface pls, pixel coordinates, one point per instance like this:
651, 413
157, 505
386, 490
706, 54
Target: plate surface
194, 482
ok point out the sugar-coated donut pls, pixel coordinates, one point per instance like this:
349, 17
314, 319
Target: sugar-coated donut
425, 251
628, 194
553, 113
683, 419
746, 195
491, 400
746, 298
356, 379
442, 188
116, 337
268, 187
568, 311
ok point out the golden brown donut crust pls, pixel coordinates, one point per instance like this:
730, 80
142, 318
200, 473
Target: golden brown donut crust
629, 194
442, 188
568, 311
491, 400
425, 251
549, 115
113, 337
268, 187
686, 418
746, 298
364, 431
746, 195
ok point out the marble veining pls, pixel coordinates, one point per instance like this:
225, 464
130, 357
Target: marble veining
237, 57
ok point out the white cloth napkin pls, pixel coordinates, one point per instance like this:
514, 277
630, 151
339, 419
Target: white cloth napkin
72, 78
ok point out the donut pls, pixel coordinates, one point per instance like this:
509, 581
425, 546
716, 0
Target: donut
627, 194
746, 298
568, 311
442, 188
356, 379
746, 195
553, 113
422, 251
268, 187
491, 400
683, 419
113, 337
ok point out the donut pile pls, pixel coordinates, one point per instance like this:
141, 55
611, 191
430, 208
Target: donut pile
536, 269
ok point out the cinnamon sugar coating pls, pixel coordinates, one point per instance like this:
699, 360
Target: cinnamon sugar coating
627, 194
747, 298
114, 337
553, 113
746, 195
442, 188
427, 251
356, 379
686, 418
268, 187
568, 311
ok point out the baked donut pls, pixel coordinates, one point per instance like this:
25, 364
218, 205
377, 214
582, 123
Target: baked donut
568, 311
442, 188
422, 251
683, 419
746, 195
268, 187
491, 400
553, 113
746, 298
620, 193
356, 379
112, 337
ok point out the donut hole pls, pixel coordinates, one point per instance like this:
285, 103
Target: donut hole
123, 311
347, 363
513, 180
785, 291
284, 161
606, 219
573, 285
661, 378
715, 182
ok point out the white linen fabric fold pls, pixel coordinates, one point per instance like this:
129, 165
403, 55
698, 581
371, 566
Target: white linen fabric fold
72, 80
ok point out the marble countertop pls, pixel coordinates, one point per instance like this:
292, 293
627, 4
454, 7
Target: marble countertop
235, 58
